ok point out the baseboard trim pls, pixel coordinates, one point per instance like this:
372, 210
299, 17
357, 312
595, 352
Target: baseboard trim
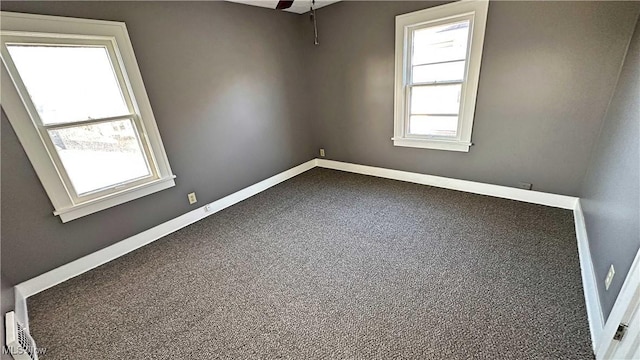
100, 257
589, 281
20, 308
505, 192
93, 260
77, 267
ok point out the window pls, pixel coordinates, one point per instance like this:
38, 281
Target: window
438, 54
73, 92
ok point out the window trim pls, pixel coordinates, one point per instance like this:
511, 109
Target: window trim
67, 204
476, 11
13, 37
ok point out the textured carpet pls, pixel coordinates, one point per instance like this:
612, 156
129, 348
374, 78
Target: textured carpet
332, 265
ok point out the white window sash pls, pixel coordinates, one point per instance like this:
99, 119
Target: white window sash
32, 133
406, 25
101, 192
407, 117
108, 43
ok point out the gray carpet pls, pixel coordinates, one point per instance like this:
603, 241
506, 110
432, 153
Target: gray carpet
332, 265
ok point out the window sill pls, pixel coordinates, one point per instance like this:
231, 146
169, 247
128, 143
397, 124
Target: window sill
460, 146
90, 207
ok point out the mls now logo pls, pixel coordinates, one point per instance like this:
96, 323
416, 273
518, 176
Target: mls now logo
21, 353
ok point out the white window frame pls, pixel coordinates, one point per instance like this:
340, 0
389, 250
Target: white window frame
406, 24
28, 28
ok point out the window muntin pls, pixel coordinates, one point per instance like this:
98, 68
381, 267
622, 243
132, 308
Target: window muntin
438, 54
120, 138
438, 72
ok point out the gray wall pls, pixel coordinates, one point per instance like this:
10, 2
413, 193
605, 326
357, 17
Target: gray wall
611, 189
227, 86
548, 72
232, 87
6, 304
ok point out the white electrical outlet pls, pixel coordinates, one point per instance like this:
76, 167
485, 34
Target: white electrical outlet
192, 198
321, 152
609, 278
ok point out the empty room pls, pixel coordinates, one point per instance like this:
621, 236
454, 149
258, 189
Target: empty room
320, 179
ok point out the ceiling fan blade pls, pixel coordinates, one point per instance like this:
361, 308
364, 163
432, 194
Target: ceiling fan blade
284, 4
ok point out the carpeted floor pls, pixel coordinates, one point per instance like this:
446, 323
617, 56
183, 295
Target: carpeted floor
332, 265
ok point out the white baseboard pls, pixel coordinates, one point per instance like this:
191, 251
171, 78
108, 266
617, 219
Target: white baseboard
93, 260
20, 308
589, 281
100, 257
505, 192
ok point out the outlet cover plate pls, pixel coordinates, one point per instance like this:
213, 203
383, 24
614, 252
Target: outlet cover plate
524, 185
609, 278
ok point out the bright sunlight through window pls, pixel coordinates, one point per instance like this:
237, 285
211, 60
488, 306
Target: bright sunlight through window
76, 88
73, 88
438, 53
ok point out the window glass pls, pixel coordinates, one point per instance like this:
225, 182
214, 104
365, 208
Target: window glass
432, 73
435, 100
440, 43
69, 83
100, 155
439, 56
445, 126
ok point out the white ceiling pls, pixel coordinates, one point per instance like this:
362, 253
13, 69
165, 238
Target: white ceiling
298, 7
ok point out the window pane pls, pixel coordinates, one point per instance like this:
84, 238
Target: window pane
69, 83
436, 99
440, 43
100, 155
433, 125
453, 71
